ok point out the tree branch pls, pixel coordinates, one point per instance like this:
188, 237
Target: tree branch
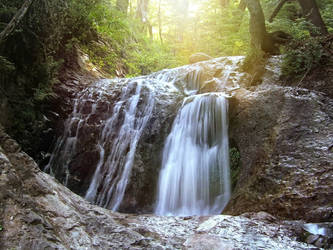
242, 5
277, 9
15, 20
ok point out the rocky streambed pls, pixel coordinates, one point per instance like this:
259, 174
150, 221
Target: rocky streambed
39, 213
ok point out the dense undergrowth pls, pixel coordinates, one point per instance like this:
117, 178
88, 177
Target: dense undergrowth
307, 50
45, 42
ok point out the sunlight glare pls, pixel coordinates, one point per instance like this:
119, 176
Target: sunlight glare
193, 9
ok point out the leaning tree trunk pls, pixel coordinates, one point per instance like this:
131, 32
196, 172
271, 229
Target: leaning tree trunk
257, 24
224, 3
142, 14
277, 9
311, 12
142, 10
15, 20
122, 5
160, 21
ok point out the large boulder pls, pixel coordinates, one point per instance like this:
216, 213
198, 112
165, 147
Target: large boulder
284, 136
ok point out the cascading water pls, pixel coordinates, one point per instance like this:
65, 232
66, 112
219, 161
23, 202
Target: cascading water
111, 119
121, 125
114, 168
194, 179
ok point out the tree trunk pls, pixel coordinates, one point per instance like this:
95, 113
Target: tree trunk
142, 14
257, 24
242, 5
224, 3
311, 12
122, 5
15, 20
142, 10
277, 9
160, 21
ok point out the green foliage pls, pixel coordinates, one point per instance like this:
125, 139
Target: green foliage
235, 166
304, 52
1, 228
31, 58
125, 45
326, 12
149, 56
46, 41
301, 56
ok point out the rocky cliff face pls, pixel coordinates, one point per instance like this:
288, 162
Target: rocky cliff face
36, 212
284, 136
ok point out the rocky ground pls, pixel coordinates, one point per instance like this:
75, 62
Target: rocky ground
39, 213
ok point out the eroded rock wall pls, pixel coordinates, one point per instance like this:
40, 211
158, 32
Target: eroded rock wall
284, 135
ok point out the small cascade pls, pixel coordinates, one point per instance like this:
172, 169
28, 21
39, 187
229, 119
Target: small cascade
114, 128
66, 145
117, 145
194, 179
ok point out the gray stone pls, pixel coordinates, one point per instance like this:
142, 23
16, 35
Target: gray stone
198, 57
312, 239
283, 135
60, 219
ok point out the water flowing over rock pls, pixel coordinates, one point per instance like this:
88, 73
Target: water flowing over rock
198, 57
194, 179
114, 166
283, 135
36, 212
111, 148
101, 136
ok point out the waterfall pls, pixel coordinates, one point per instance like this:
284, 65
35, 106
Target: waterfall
194, 179
121, 125
108, 138
113, 170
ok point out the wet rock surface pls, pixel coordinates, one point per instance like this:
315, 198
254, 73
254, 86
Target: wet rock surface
198, 57
319, 234
76, 153
39, 213
284, 136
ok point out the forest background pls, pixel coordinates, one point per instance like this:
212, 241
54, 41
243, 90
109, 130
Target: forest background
127, 38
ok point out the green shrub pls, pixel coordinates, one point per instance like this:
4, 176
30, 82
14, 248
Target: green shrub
301, 56
235, 166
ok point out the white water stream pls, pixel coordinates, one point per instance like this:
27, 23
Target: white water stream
194, 179
113, 170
